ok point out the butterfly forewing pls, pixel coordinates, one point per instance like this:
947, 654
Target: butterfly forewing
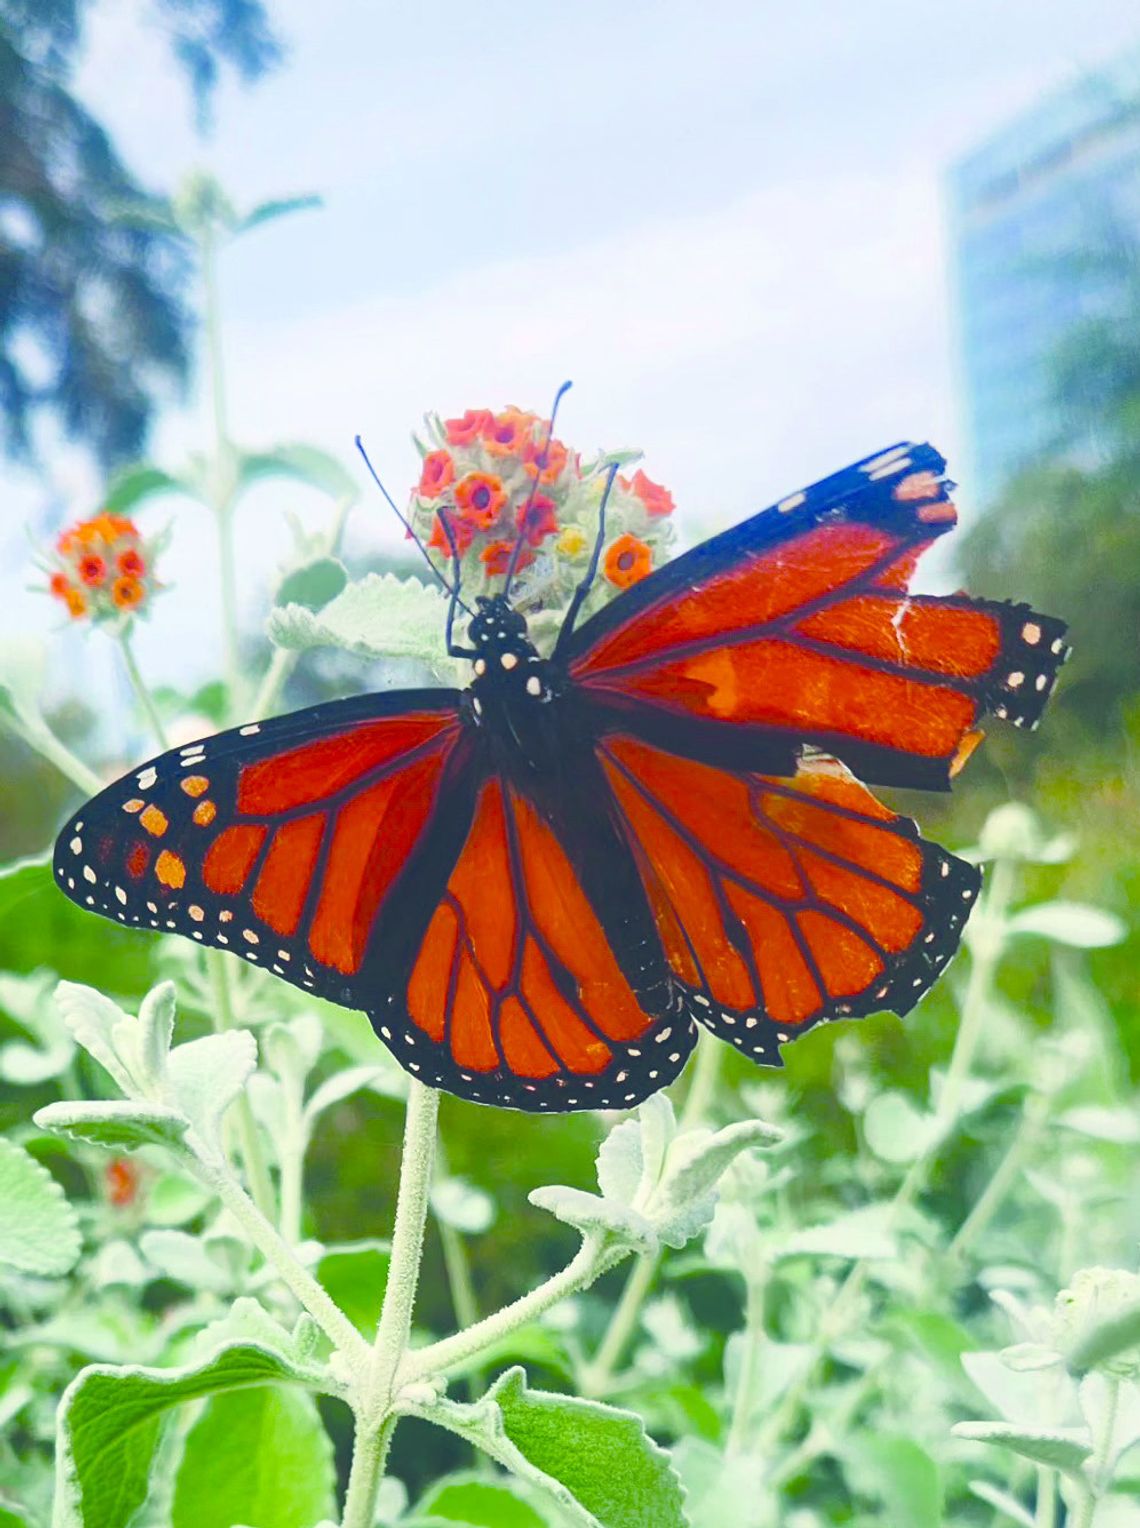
279, 841
797, 627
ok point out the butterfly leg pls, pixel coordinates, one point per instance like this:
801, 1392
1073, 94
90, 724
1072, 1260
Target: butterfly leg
453, 604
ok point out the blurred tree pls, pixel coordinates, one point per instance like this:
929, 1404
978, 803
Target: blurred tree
90, 311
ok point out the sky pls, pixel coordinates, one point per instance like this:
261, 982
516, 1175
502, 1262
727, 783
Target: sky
724, 222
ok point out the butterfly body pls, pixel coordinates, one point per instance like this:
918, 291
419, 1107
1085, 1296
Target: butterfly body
539, 886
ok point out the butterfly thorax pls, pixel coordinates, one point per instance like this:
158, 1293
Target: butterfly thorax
513, 686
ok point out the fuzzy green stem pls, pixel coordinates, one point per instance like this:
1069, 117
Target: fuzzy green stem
1045, 1511
142, 692
597, 1374
737, 1439
253, 1159
328, 1316
369, 1455
590, 1260
1085, 1513
1005, 1176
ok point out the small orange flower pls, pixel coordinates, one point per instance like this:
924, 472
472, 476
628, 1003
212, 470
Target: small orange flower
465, 431
76, 602
127, 592
59, 585
122, 1179
510, 433
496, 557
540, 519
556, 456
92, 569
479, 497
628, 561
657, 500
131, 563
438, 473
463, 533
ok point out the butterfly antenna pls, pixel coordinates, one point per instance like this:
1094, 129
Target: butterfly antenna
540, 464
583, 588
456, 575
407, 524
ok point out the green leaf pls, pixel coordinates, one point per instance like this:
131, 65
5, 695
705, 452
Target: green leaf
896, 1131
39, 1232
305, 464
381, 616
110, 1419
720, 1488
27, 1000
481, 1503
602, 1455
117, 1124
132, 486
1103, 1124
312, 585
276, 207
206, 1076
342, 1085
1062, 1448
899, 1473
596, 1461
1072, 923
1002, 1500
256, 1456
864, 1233
683, 1202
355, 1276
1102, 1341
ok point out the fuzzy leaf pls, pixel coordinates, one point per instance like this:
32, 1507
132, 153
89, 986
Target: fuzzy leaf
620, 1164
381, 616
118, 1124
597, 1462
1062, 1448
860, 1234
206, 1076
1072, 923
900, 1473
589, 1212
137, 484
110, 1419
685, 1198
38, 1229
896, 1131
92, 1019
313, 585
339, 1086
255, 1456
305, 464
184, 1258
1002, 1500
478, 1502
1103, 1124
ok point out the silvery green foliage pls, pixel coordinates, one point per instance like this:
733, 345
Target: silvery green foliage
658, 1185
168, 1093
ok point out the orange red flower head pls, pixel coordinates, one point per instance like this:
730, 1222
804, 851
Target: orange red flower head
502, 481
101, 569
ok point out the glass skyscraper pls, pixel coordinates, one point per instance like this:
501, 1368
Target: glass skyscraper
1041, 217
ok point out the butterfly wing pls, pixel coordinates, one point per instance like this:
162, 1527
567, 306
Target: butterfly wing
797, 627
785, 902
280, 841
526, 971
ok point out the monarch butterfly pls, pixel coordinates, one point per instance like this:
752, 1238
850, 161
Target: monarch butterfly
538, 886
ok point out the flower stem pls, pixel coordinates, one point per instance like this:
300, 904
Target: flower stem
369, 1455
221, 486
1098, 1465
48, 746
737, 1439
142, 693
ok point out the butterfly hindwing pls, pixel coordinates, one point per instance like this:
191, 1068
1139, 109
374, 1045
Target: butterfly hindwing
784, 903
528, 972
279, 841
797, 627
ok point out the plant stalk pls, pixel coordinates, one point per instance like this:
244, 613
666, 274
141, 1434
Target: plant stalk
142, 692
1085, 1513
221, 495
369, 1455
253, 1158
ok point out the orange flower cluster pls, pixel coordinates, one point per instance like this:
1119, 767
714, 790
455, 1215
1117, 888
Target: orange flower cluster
101, 569
492, 482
